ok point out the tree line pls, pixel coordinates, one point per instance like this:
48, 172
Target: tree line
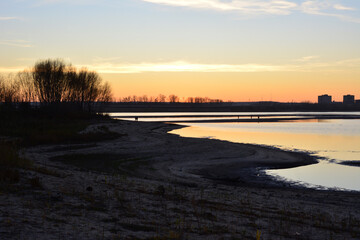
171, 98
54, 81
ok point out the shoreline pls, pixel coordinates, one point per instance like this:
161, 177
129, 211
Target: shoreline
255, 174
231, 165
159, 191
241, 118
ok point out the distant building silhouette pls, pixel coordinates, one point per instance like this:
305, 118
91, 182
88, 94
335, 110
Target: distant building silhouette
357, 101
349, 99
324, 99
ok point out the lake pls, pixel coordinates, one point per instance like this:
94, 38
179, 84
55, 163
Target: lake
334, 142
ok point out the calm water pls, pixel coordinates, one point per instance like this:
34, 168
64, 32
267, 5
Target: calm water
334, 141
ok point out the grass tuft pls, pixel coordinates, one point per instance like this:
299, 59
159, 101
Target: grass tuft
10, 157
10, 162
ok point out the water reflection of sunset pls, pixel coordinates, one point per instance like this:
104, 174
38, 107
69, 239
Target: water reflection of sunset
324, 174
336, 140
333, 146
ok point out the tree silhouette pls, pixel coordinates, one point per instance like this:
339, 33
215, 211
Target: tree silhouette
50, 80
173, 98
190, 100
2, 88
53, 81
86, 87
9, 89
160, 98
26, 86
73, 90
105, 94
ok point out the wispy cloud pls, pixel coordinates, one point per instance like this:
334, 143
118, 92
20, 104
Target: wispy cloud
107, 59
184, 66
306, 59
304, 64
73, 2
270, 7
278, 7
341, 7
16, 43
326, 8
353, 63
248, 7
181, 66
8, 18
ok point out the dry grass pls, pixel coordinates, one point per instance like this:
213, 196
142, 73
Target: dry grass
10, 162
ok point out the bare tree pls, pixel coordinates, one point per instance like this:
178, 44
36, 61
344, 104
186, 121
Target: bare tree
53, 81
73, 86
50, 80
9, 89
26, 86
173, 98
134, 98
201, 100
89, 83
2, 88
105, 94
190, 100
86, 87
144, 98
126, 99
160, 98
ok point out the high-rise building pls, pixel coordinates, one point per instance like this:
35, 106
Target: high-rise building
324, 99
349, 99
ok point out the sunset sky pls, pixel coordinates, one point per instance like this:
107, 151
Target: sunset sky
239, 50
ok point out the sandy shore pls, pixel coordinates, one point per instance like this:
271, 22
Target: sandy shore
190, 159
149, 184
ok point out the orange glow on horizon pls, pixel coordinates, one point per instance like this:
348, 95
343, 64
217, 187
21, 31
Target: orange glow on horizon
238, 87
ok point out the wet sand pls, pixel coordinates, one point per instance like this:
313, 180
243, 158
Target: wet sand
169, 187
